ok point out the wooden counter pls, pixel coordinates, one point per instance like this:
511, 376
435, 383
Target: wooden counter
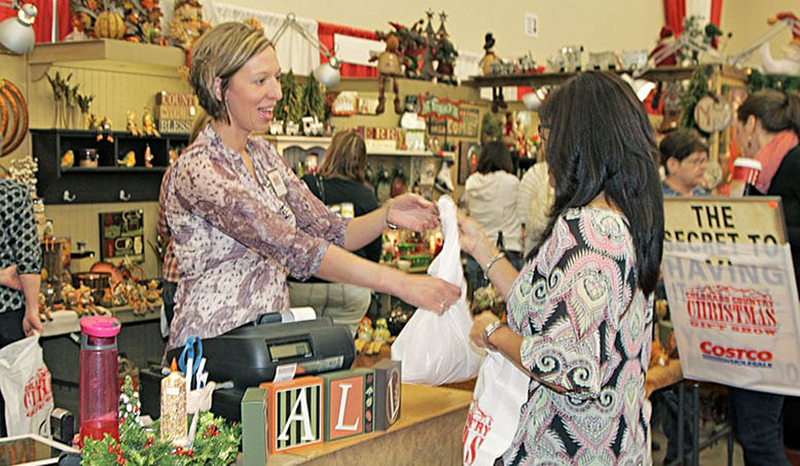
429, 432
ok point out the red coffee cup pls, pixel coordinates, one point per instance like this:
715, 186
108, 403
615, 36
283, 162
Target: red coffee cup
745, 175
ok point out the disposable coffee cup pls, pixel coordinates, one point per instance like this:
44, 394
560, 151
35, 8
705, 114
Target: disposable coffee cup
745, 175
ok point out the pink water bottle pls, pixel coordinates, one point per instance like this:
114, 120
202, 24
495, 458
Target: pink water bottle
99, 388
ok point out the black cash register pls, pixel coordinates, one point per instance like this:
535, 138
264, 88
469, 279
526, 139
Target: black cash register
251, 354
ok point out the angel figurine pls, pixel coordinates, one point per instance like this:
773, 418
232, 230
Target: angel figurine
131, 126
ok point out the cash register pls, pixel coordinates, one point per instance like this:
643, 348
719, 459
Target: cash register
255, 352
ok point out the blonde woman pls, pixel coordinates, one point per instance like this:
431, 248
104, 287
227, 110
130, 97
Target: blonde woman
241, 221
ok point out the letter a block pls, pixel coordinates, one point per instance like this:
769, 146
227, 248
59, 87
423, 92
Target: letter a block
387, 393
295, 413
346, 411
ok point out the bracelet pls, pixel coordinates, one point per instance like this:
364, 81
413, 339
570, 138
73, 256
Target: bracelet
489, 330
392, 226
489, 265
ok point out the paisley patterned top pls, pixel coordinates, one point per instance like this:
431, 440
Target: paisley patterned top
236, 238
586, 328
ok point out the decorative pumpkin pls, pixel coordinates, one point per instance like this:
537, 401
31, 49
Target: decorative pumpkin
109, 26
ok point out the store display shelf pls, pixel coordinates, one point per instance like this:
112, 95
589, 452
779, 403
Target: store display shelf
400, 153
113, 53
663, 73
159, 170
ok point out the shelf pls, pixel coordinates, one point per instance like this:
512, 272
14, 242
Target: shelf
663, 73
159, 170
117, 54
400, 153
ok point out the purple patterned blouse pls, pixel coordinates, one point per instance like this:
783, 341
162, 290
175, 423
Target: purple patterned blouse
586, 328
236, 239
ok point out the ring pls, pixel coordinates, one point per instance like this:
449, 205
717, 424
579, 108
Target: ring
442, 303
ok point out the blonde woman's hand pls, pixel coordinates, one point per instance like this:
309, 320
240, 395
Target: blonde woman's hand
412, 212
31, 323
427, 292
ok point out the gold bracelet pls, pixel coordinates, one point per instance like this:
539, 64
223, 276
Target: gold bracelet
489, 265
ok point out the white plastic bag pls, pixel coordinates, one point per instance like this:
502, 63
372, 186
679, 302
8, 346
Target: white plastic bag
435, 349
493, 415
26, 388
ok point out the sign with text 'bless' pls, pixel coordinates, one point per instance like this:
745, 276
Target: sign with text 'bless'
732, 293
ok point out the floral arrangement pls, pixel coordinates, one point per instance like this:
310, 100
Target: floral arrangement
216, 442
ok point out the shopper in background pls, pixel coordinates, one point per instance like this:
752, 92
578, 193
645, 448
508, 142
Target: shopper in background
169, 268
580, 312
768, 125
684, 155
19, 247
491, 194
241, 221
341, 185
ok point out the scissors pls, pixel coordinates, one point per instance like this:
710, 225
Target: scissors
189, 354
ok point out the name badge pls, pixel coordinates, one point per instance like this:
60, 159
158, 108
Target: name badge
277, 183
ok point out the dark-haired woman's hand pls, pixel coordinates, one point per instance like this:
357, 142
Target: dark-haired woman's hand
470, 234
412, 212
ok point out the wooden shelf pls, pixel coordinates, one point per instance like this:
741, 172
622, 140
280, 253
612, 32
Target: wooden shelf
159, 170
115, 54
663, 73
400, 153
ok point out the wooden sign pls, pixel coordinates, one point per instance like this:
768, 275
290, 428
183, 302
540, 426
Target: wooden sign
387, 393
295, 413
747, 220
467, 127
440, 109
712, 114
176, 99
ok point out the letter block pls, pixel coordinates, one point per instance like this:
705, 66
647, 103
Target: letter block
387, 393
254, 427
349, 403
295, 413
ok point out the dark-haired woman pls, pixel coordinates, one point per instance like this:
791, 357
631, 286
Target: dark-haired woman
491, 194
768, 125
580, 313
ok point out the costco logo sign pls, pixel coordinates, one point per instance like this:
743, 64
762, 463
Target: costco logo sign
736, 356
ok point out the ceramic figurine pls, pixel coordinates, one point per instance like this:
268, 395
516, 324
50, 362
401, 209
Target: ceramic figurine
131, 126
105, 129
148, 157
379, 336
153, 292
45, 311
68, 159
129, 160
364, 334
148, 128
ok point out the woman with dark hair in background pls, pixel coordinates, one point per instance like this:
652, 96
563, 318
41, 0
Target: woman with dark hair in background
580, 312
684, 155
491, 194
341, 185
768, 125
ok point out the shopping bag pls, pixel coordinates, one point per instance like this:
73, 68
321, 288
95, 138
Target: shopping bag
493, 416
435, 349
26, 388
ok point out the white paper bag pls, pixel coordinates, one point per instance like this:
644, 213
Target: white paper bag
493, 416
435, 349
26, 388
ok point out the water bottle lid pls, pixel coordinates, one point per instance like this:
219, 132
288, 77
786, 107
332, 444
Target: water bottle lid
100, 326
